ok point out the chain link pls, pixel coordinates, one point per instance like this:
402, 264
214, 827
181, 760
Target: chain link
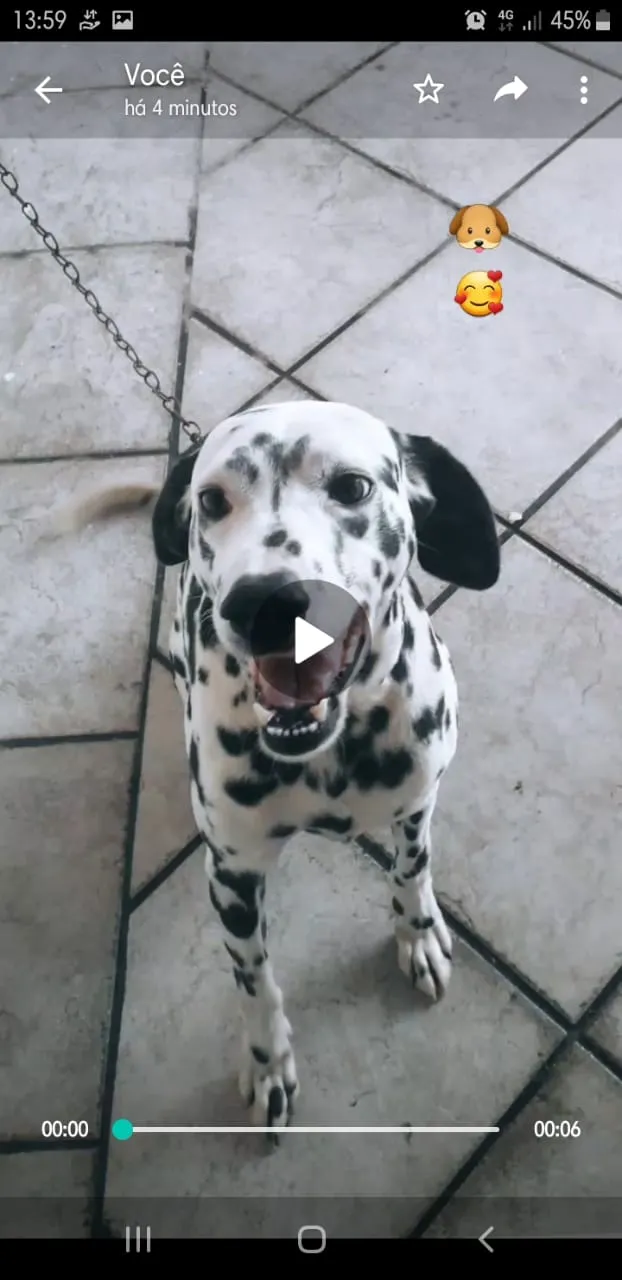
151, 380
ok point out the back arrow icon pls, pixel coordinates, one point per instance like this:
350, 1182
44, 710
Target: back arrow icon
514, 89
44, 88
483, 1239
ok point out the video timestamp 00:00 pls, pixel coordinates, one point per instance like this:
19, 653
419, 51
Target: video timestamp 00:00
65, 1129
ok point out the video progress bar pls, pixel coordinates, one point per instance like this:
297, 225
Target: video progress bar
345, 1129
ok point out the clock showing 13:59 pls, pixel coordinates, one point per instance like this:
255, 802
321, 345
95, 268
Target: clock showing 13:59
40, 19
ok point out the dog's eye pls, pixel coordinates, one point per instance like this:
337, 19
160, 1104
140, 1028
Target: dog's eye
470, 231
487, 231
349, 488
214, 503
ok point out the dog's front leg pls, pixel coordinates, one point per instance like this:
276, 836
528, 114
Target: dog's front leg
423, 939
268, 1080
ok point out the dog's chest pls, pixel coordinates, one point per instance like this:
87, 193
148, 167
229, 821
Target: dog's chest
387, 761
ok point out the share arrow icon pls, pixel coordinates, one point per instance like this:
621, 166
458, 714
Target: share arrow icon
514, 89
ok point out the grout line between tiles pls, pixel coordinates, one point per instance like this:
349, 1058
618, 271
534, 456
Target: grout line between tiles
602, 1055
165, 872
95, 247
578, 57
568, 474
583, 575
542, 164
118, 996
526, 1095
67, 739
247, 348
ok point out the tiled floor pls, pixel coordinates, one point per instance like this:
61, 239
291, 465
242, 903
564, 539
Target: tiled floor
311, 260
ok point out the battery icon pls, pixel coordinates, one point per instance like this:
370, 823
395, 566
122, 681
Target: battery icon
603, 20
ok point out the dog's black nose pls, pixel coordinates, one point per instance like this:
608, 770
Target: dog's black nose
263, 610
478, 243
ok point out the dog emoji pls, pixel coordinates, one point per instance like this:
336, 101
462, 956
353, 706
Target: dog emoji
479, 227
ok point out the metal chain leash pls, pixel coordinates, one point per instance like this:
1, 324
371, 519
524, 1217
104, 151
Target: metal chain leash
151, 380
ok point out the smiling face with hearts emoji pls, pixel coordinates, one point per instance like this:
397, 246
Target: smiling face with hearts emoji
480, 294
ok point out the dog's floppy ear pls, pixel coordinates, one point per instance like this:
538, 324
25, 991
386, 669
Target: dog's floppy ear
456, 221
456, 534
501, 221
171, 517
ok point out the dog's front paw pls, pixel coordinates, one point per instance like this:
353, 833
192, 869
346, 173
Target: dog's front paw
424, 950
268, 1079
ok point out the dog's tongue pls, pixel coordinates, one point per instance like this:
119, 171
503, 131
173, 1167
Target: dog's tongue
285, 683
478, 249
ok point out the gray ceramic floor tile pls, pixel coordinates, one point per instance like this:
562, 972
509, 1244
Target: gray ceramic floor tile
508, 393
531, 1186
164, 822
90, 190
228, 134
607, 1029
64, 386
597, 51
76, 609
291, 73
99, 65
587, 178
369, 1054
45, 1195
529, 813
455, 148
219, 377
584, 520
64, 813
344, 231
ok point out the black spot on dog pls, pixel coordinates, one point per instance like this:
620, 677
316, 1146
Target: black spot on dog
368, 666
312, 780
260, 1055
242, 464
245, 980
436, 653
193, 761
193, 600
416, 594
243, 883
336, 785
397, 907
288, 774
421, 862
388, 473
232, 666
207, 552
238, 960
425, 725
236, 742
356, 526
203, 675
293, 548
329, 822
388, 770
388, 582
378, 720
400, 670
421, 922
281, 831
388, 541
408, 638
178, 666
399, 882
276, 1103
250, 792
240, 697
209, 639
276, 538
447, 719
377, 569
262, 764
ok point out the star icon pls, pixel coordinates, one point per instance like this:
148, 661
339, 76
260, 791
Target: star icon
428, 90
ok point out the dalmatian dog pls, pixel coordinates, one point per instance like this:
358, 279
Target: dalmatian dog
359, 737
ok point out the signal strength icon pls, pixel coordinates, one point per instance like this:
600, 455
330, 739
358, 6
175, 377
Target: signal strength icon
534, 24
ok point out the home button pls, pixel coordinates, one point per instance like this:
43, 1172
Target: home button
312, 1239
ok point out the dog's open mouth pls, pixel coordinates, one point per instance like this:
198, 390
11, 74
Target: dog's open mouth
297, 703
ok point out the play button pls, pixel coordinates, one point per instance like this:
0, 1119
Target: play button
308, 640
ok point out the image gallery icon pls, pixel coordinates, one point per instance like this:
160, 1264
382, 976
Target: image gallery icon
123, 20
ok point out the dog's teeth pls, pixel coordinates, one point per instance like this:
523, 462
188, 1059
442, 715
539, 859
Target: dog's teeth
262, 714
320, 710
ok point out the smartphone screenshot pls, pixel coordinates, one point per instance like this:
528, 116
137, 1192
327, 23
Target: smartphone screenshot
311, 611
